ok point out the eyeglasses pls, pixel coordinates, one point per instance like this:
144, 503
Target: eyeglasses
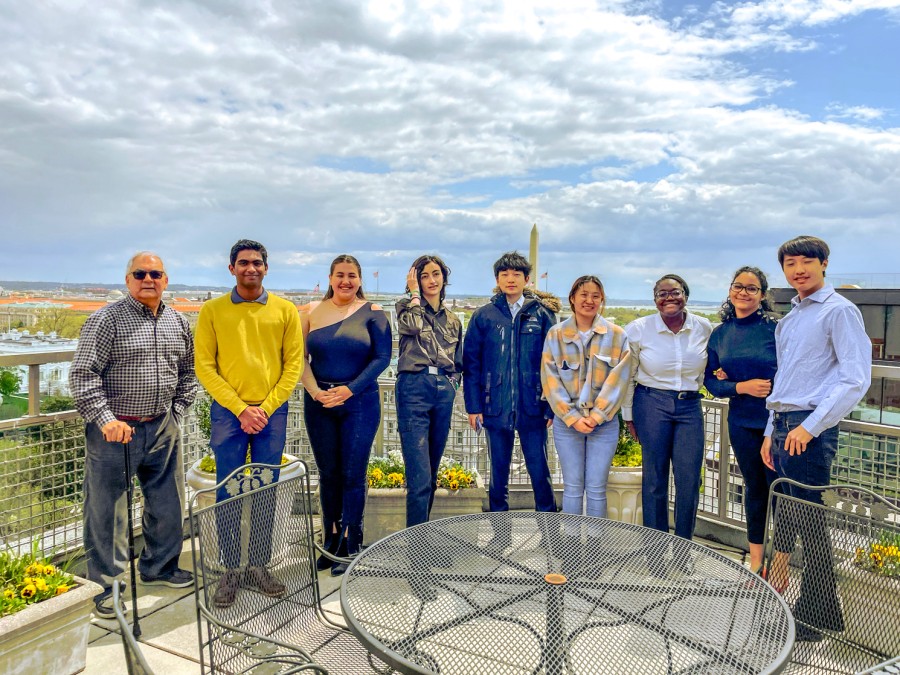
675, 293
140, 275
749, 290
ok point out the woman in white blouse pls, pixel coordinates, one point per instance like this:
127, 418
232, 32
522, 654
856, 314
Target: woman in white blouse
662, 406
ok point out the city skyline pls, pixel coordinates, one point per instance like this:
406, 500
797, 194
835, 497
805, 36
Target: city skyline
641, 137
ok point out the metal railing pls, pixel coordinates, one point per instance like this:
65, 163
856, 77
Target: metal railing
42, 466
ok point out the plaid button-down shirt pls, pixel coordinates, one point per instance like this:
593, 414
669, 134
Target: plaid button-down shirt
130, 362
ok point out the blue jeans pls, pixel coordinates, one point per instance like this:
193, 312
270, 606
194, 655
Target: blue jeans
230, 445
671, 433
341, 440
746, 443
817, 603
533, 438
424, 407
585, 460
155, 453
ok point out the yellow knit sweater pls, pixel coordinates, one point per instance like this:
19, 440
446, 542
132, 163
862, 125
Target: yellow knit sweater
248, 353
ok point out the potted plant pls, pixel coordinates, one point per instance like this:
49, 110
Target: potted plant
623, 489
459, 491
874, 573
44, 615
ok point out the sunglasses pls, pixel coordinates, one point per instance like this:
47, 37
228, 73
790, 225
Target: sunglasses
140, 275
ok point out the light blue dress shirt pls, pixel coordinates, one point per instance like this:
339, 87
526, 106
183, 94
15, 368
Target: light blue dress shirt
516, 306
824, 360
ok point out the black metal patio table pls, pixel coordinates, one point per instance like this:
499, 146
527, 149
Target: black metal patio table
524, 592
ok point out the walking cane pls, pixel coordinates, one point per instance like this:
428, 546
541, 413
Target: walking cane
129, 499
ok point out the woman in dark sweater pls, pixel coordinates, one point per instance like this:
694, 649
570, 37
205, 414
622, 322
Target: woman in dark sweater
741, 365
348, 341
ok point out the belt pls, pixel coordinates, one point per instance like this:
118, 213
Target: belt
330, 385
786, 413
139, 420
680, 395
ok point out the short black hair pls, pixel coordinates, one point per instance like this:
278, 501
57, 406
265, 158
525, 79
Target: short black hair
676, 279
512, 260
249, 245
805, 245
420, 264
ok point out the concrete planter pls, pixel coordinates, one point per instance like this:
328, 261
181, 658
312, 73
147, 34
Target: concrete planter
49, 636
623, 494
874, 596
386, 508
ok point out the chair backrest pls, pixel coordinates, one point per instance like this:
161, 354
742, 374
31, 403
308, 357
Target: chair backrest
837, 549
264, 522
134, 659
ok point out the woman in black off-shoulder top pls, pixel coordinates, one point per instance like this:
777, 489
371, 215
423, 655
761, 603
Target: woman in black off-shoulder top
348, 341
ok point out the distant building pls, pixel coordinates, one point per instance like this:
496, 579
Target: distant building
54, 376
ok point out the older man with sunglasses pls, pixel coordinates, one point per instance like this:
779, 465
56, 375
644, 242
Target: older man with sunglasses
132, 378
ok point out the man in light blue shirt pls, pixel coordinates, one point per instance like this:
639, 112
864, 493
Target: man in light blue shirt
824, 370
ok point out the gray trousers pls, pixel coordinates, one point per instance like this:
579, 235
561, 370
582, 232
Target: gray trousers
156, 459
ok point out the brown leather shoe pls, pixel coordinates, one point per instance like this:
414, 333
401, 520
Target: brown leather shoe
227, 590
267, 584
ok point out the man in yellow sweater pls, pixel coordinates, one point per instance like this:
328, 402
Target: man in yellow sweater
248, 356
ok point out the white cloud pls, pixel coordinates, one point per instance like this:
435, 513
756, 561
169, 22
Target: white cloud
388, 128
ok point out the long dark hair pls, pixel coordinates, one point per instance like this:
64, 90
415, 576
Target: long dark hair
345, 258
726, 313
420, 265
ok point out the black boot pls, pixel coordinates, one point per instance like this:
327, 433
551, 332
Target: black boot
331, 543
338, 568
350, 545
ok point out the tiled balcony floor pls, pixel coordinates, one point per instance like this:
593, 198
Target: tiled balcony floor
169, 627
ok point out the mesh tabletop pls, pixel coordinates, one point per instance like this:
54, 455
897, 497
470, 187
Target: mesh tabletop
555, 593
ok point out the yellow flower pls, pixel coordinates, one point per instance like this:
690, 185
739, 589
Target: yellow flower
377, 473
454, 485
8, 593
49, 569
395, 478
29, 591
41, 585
62, 588
32, 569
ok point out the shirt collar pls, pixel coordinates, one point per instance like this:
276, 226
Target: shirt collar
570, 331
142, 308
518, 303
820, 295
661, 326
237, 299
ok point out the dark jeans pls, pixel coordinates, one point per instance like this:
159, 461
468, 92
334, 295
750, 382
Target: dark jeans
155, 453
746, 442
230, 445
341, 440
817, 603
424, 407
533, 438
671, 434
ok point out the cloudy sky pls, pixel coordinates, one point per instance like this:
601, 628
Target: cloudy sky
641, 137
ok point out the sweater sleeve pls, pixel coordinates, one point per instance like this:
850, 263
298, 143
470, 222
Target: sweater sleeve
380, 335
205, 351
718, 388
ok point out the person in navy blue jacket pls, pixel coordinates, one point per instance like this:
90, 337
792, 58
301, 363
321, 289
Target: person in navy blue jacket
741, 366
502, 370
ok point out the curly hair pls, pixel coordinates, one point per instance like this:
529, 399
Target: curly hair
727, 313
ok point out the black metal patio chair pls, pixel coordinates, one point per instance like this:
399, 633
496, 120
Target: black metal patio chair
265, 524
828, 549
134, 658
